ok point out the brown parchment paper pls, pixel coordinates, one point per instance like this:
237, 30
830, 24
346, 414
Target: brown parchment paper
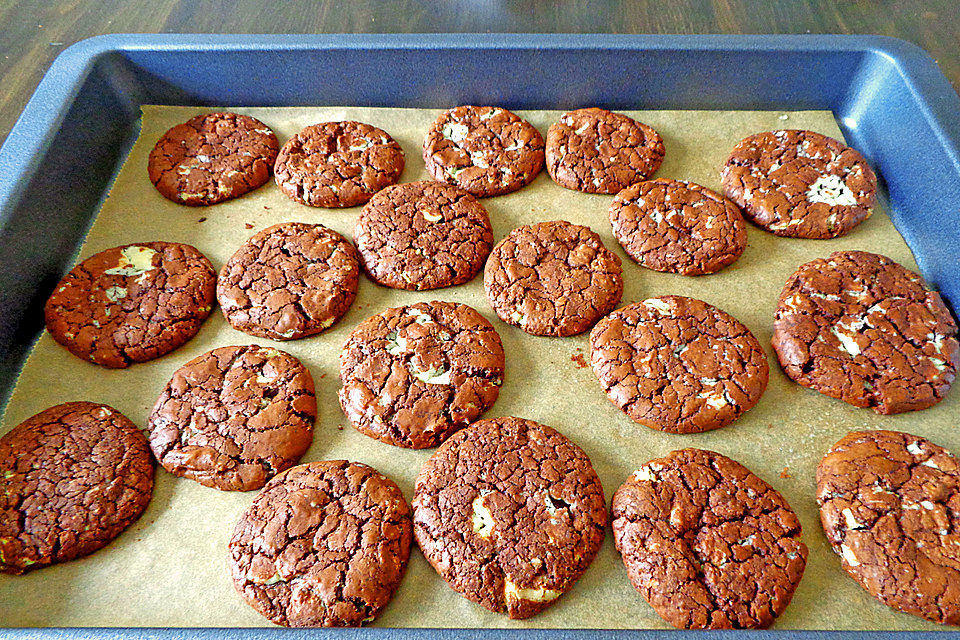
170, 568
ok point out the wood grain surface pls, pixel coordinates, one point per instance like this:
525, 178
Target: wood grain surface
33, 32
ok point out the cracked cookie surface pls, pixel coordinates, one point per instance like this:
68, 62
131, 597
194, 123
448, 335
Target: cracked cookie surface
211, 158
325, 544
597, 151
132, 303
414, 375
487, 151
859, 327
72, 478
234, 417
800, 184
510, 513
289, 281
707, 543
678, 364
890, 507
338, 164
678, 227
552, 279
423, 235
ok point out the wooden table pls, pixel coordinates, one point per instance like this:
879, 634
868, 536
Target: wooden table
33, 32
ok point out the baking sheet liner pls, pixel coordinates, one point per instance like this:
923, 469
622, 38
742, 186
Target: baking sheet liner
170, 568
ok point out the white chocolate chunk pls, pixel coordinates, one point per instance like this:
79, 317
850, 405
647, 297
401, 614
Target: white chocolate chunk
831, 190
657, 304
850, 520
483, 522
134, 261
847, 343
513, 592
455, 131
847, 554
580, 131
432, 376
432, 217
116, 293
931, 464
419, 316
644, 474
514, 146
396, 344
915, 448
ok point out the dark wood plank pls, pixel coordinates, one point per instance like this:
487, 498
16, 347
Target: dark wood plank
33, 32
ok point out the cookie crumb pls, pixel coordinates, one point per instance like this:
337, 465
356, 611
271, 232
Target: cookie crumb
202, 220
578, 360
785, 473
248, 225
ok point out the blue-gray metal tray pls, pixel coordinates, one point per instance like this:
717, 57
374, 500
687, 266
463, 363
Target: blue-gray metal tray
890, 99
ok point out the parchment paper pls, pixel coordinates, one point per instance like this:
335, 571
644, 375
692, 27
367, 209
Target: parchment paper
169, 569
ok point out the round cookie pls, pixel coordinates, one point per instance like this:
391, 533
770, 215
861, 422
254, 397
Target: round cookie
708, 544
598, 151
860, 327
72, 478
325, 544
211, 158
678, 227
423, 235
800, 184
678, 364
338, 164
510, 513
487, 151
552, 279
132, 303
289, 281
234, 417
890, 507
416, 374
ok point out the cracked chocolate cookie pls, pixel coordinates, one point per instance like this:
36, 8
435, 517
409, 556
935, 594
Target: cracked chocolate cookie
423, 235
132, 303
510, 513
72, 478
708, 544
890, 506
800, 184
338, 164
678, 364
552, 279
325, 544
859, 327
678, 227
488, 151
598, 151
289, 281
416, 374
234, 417
211, 158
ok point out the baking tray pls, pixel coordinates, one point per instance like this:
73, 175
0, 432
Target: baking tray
888, 96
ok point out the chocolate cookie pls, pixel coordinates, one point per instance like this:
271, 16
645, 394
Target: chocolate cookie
708, 544
325, 544
212, 158
234, 417
338, 164
800, 184
510, 513
414, 375
552, 279
488, 151
678, 364
289, 281
423, 235
860, 327
598, 151
72, 478
132, 303
679, 227
890, 506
